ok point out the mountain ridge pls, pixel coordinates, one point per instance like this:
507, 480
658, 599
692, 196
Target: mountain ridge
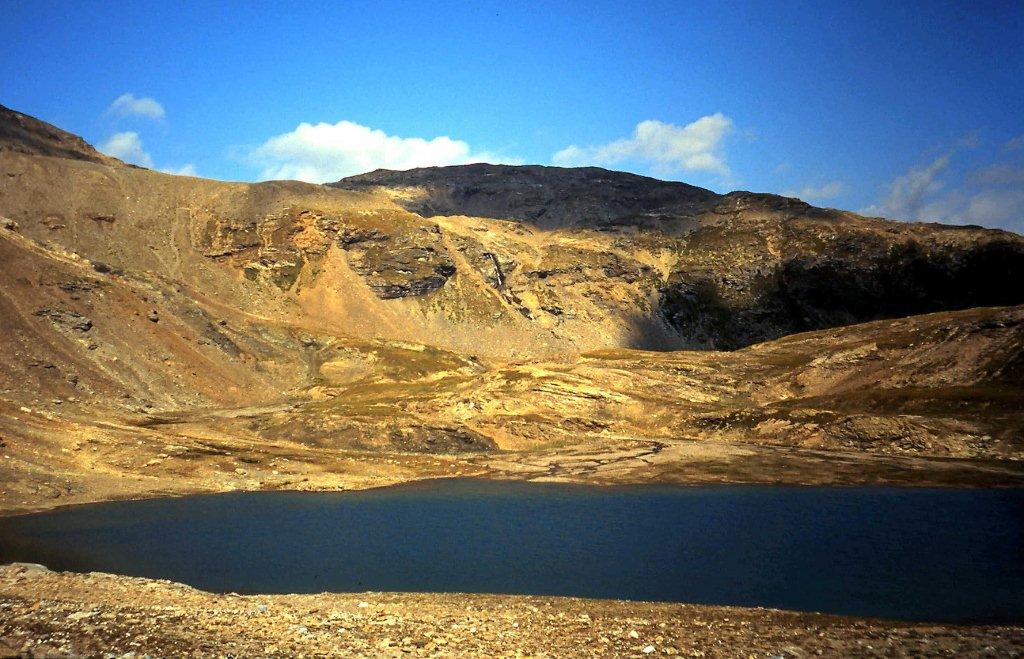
458, 189
694, 270
26, 134
175, 334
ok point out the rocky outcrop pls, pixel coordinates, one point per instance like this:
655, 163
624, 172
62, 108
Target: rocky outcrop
287, 335
402, 266
394, 259
279, 266
494, 265
65, 319
801, 274
732, 269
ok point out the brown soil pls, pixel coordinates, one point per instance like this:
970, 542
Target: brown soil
164, 335
45, 613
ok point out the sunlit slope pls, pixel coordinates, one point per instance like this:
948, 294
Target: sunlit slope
164, 333
617, 261
723, 270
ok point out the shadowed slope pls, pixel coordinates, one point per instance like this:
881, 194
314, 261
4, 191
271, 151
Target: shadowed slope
545, 197
168, 334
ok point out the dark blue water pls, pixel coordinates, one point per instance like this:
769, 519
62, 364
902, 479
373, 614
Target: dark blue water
942, 555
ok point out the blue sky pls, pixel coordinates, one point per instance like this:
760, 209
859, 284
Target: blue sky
905, 109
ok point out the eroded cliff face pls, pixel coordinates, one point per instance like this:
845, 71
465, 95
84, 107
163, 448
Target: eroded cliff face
166, 333
718, 271
615, 260
776, 266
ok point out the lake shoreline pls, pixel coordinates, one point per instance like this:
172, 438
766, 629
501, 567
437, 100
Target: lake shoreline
872, 551
91, 614
621, 461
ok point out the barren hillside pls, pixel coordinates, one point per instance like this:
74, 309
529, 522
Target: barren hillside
174, 334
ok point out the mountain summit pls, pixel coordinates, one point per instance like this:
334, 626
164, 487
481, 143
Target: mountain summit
545, 197
720, 270
165, 333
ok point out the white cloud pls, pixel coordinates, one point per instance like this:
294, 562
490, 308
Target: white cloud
992, 195
697, 146
184, 170
319, 153
997, 208
128, 147
828, 190
127, 105
907, 193
1002, 174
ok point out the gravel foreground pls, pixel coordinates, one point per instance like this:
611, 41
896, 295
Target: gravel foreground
53, 614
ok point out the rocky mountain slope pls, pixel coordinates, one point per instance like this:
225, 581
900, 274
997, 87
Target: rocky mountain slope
544, 197
173, 334
719, 270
